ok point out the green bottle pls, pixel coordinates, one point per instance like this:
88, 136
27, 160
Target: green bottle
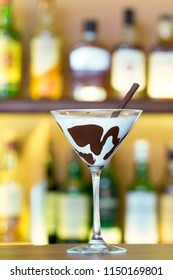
73, 205
109, 206
166, 200
50, 202
10, 53
141, 200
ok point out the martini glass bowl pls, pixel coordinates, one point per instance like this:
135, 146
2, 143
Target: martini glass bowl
95, 135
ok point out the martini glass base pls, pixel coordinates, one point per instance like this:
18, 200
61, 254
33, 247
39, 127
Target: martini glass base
99, 247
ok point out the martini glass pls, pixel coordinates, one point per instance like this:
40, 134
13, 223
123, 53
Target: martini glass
95, 135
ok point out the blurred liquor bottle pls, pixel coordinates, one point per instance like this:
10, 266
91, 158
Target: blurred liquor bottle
109, 206
73, 205
10, 193
10, 53
166, 201
128, 59
50, 202
160, 61
141, 201
46, 55
89, 64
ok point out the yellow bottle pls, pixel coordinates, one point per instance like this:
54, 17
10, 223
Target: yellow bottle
160, 61
10, 193
45, 55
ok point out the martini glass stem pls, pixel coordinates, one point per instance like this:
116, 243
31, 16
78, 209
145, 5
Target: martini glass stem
96, 235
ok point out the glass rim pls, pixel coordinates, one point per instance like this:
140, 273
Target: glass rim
95, 110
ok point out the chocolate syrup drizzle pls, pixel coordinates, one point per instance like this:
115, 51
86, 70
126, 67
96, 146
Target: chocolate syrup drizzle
92, 134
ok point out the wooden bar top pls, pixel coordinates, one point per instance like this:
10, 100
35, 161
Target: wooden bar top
58, 252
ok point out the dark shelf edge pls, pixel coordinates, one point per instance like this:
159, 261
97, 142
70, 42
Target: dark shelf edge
45, 106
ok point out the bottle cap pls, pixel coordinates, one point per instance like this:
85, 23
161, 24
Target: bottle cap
164, 27
170, 154
141, 150
90, 25
170, 150
165, 17
129, 16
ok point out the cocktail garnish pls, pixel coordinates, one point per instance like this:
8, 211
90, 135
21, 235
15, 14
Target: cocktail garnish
126, 98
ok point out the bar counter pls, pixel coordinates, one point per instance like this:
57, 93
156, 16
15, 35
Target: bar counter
58, 252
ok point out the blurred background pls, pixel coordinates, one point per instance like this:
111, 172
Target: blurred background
52, 54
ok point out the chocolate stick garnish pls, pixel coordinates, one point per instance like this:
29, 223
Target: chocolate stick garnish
126, 98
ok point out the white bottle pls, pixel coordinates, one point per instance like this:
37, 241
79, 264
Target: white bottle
89, 64
128, 59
